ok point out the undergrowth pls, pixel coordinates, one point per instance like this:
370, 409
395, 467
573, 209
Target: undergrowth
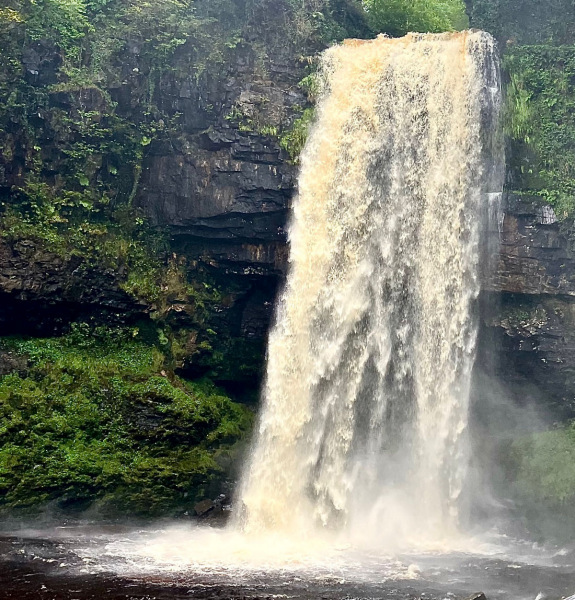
540, 121
541, 470
94, 420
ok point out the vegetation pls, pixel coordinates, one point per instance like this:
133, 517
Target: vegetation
541, 468
398, 17
94, 417
540, 121
293, 139
538, 65
546, 466
525, 21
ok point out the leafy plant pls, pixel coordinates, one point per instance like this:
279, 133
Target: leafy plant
293, 140
540, 121
65, 21
398, 17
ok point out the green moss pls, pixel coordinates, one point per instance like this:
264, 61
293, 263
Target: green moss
545, 464
540, 469
522, 313
293, 140
95, 419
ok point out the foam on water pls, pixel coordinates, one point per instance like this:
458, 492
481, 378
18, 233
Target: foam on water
236, 557
201, 559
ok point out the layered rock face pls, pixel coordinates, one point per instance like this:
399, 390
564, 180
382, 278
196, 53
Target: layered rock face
223, 188
528, 336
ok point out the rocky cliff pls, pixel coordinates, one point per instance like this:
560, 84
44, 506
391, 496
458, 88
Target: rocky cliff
149, 188
187, 125
201, 154
528, 340
147, 157
226, 200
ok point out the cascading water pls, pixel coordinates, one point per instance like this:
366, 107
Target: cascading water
365, 406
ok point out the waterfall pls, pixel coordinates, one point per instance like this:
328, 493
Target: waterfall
363, 428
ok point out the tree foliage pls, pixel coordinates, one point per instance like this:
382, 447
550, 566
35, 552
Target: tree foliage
398, 17
526, 21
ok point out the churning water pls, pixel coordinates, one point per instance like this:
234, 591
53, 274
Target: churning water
363, 428
181, 562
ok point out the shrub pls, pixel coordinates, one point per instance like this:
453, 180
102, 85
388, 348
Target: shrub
541, 470
398, 17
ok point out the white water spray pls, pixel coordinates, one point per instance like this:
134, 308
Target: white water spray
365, 406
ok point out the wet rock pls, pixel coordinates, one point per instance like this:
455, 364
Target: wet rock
211, 509
203, 507
10, 362
224, 186
41, 291
528, 335
535, 255
476, 596
41, 61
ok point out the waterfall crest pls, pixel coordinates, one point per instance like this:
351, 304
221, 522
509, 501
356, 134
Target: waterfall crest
363, 428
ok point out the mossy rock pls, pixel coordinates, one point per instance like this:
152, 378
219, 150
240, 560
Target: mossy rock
96, 420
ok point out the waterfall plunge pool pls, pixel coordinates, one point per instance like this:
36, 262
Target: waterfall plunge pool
170, 561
